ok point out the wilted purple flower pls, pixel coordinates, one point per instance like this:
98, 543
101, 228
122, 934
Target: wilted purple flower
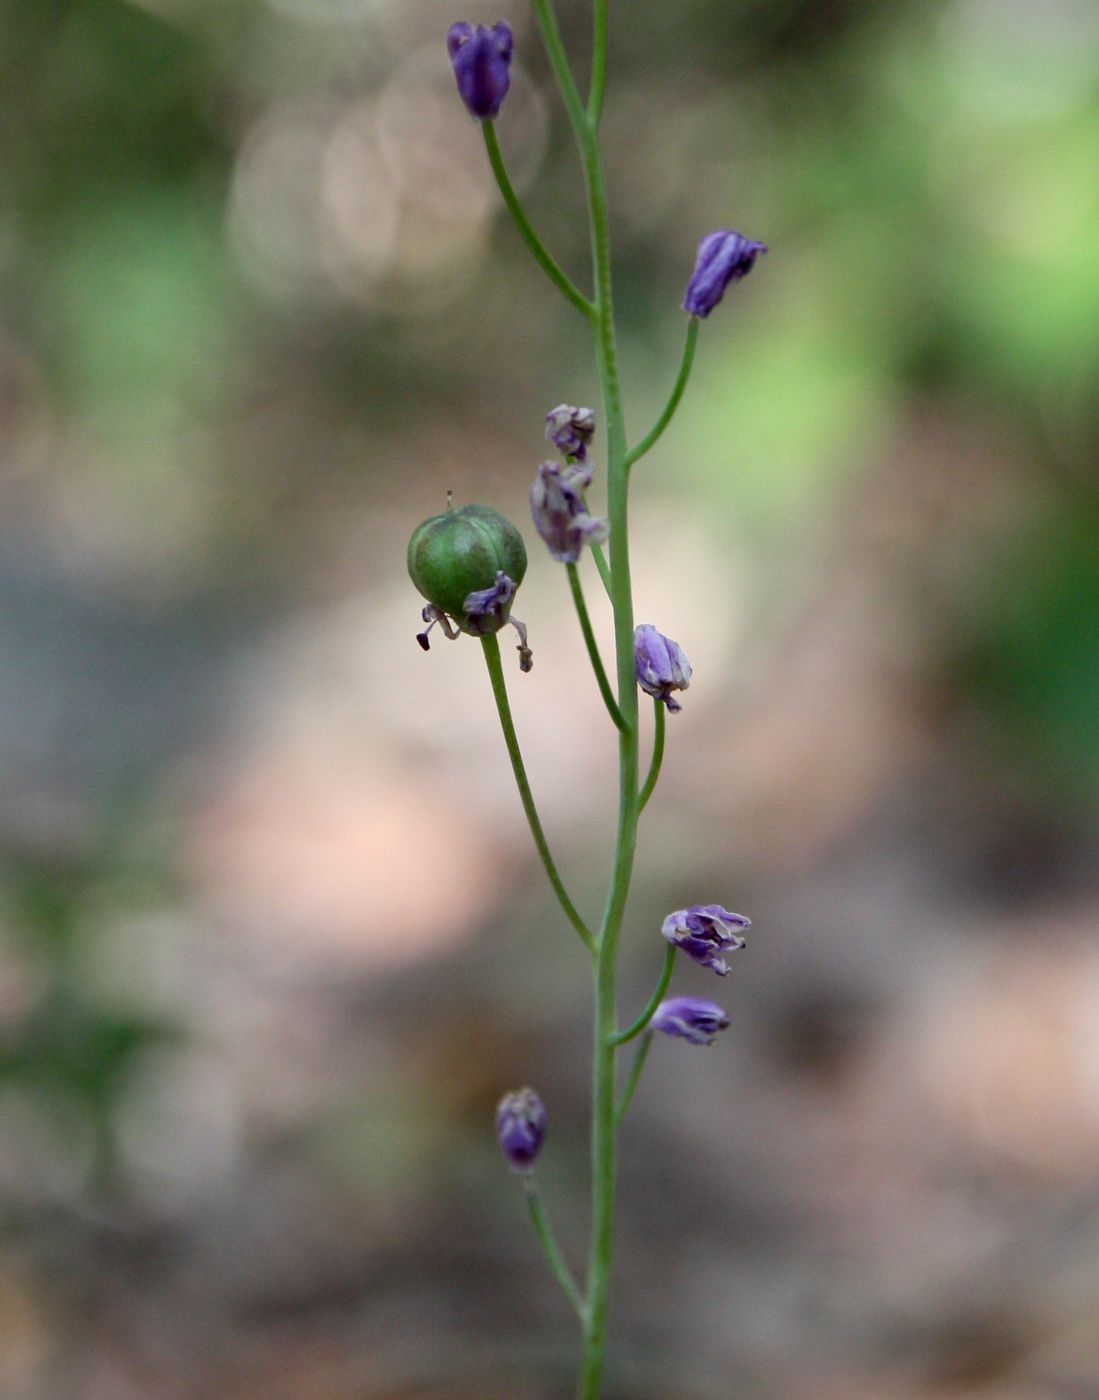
489, 608
690, 1018
560, 516
660, 665
570, 429
481, 59
520, 1128
705, 930
723, 257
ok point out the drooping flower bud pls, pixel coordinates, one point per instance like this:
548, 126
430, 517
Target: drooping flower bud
481, 59
706, 930
691, 1019
660, 665
570, 429
520, 1128
723, 257
560, 516
468, 564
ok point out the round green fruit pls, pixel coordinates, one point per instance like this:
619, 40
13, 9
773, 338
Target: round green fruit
453, 555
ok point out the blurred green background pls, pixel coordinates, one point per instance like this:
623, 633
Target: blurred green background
272, 939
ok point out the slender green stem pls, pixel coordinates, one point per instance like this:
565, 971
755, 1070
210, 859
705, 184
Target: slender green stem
603, 567
623, 1037
600, 558
603, 1065
592, 645
653, 436
561, 1271
499, 689
631, 1083
559, 62
621, 596
658, 754
544, 259
598, 64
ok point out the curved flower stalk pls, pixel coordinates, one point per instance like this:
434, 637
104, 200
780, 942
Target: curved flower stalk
469, 565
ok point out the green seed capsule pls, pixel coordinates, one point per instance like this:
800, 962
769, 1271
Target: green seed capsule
453, 555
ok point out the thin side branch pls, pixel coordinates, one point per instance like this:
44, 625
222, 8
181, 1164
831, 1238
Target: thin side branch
593, 647
542, 256
499, 689
651, 438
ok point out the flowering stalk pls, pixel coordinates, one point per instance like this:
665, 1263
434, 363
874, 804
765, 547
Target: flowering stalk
604, 1122
542, 256
469, 565
651, 438
511, 739
592, 646
654, 1001
641, 1055
658, 755
556, 1260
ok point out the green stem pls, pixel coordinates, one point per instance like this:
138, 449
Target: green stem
600, 558
651, 438
602, 566
559, 62
658, 754
598, 64
561, 1271
621, 596
544, 259
631, 1083
499, 689
590, 643
623, 1037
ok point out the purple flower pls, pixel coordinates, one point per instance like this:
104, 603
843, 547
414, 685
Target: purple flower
560, 516
660, 665
691, 1019
520, 1128
705, 930
489, 608
723, 257
481, 59
570, 429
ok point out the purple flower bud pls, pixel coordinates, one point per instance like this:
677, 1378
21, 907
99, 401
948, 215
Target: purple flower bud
481, 59
570, 429
560, 516
660, 665
723, 257
691, 1019
705, 930
520, 1128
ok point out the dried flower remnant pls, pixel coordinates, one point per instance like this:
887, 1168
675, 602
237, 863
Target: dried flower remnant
571, 430
559, 513
723, 257
481, 59
704, 932
432, 615
691, 1019
660, 665
487, 609
520, 1128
